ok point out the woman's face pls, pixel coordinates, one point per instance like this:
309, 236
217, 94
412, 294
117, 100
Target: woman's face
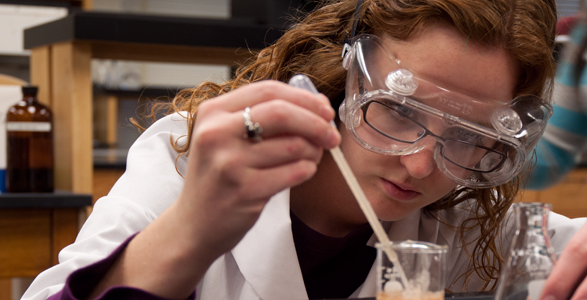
399, 185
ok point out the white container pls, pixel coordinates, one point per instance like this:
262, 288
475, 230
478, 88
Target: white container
15, 18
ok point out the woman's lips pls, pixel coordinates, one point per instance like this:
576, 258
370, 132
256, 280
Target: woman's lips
397, 192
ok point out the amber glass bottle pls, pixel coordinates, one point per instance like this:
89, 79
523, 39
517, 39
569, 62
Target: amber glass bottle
29, 133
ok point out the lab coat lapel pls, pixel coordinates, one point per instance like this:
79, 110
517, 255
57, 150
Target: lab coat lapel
266, 256
404, 229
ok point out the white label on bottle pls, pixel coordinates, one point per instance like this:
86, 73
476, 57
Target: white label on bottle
28, 126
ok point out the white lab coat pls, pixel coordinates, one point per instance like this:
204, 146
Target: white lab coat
264, 264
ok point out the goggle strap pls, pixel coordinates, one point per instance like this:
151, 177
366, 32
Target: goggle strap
356, 16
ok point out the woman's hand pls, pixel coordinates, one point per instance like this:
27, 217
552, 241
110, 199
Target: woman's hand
230, 178
568, 280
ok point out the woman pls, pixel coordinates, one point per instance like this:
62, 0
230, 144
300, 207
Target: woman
261, 211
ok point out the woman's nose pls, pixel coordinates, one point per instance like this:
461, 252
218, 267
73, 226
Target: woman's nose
420, 164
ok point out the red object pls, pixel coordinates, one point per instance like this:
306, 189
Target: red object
565, 24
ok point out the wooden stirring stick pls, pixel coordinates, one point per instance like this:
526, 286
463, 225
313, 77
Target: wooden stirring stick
304, 82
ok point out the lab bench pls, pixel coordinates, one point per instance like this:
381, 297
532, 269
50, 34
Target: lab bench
34, 227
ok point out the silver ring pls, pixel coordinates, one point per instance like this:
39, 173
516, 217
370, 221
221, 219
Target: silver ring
254, 130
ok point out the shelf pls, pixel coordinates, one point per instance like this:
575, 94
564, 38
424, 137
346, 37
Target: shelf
62, 52
144, 92
151, 29
59, 199
70, 4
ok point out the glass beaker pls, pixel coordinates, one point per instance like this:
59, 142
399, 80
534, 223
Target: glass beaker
424, 266
531, 256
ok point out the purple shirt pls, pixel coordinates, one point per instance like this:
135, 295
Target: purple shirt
80, 283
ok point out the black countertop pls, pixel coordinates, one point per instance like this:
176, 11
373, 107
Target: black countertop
448, 296
58, 199
153, 29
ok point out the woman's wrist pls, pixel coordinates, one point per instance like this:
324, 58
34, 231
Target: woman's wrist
162, 259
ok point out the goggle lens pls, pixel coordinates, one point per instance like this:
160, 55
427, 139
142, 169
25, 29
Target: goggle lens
393, 121
403, 126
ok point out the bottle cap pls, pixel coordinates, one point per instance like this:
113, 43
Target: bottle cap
30, 89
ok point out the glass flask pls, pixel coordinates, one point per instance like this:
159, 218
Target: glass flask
29, 145
531, 256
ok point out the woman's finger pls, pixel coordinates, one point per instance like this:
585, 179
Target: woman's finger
279, 118
569, 271
263, 183
277, 151
267, 90
581, 291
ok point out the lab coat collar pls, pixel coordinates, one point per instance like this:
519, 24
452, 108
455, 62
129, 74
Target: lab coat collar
266, 256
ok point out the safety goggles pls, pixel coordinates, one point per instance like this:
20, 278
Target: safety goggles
390, 110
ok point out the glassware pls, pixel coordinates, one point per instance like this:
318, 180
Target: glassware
29, 142
531, 256
423, 265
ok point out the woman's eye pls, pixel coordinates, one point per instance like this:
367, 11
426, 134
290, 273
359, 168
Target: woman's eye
404, 111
